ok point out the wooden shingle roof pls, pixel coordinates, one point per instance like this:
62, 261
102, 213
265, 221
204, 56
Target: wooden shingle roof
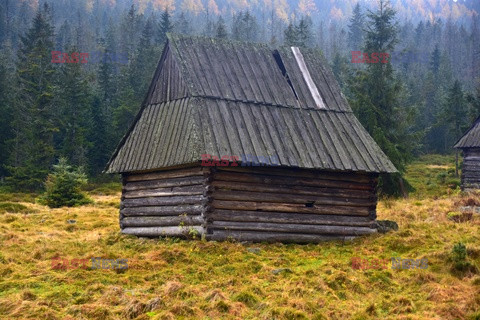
471, 139
217, 97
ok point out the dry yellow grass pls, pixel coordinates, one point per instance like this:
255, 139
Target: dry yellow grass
172, 279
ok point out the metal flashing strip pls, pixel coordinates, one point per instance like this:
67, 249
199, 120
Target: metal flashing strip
308, 78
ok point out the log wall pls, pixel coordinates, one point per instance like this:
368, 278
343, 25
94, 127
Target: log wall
273, 204
164, 203
249, 204
471, 169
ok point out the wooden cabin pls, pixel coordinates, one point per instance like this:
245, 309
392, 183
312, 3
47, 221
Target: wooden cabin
294, 164
470, 145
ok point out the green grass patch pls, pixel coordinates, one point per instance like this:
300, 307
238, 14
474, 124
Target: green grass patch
12, 207
433, 176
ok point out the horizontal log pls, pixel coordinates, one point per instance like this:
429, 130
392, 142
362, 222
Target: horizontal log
282, 188
470, 167
162, 210
161, 221
282, 217
176, 182
221, 235
163, 231
471, 173
160, 175
290, 198
165, 192
274, 180
286, 207
291, 228
314, 174
162, 201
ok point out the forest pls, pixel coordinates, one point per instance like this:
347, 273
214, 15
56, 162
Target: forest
420, 102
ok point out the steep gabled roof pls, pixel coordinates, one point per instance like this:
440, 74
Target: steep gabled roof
218, 97
471, 139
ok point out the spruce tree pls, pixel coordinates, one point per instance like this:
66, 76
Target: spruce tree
33, 121
182, 25
221, 29
7, 91
165, 26
244, 27
75, 119
301, 34
304, 32
355, 28
377, 97
455, 115
435, 60
290, 34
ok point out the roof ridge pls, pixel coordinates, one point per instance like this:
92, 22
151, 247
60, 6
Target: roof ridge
178, 36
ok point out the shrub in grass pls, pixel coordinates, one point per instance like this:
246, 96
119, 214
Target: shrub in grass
461, 263
460, 216
63, 186
247, 298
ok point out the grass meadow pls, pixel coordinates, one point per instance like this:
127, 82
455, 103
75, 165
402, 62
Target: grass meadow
179, 279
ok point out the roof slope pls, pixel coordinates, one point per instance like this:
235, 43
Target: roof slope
217, 97
471, 139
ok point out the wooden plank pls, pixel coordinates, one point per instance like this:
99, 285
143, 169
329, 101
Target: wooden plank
304, 173
221, 235
162, 201
242, 79
163, 210
165, 192
243, 177
179, 173
291, 198
287, 207
324, 136
173, 182
163, 231
148, 221
291, 228
282, 217
298, 135
304, 190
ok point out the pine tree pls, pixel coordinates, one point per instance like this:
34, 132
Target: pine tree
299, 35
7, 91
378, 97
290, 34
182, 25
221, 29
455, 112
356, 26
304, 32
341, 71
244, 27
130, 27
145, 61
75, 119
455, 115
33, 121
165, 26
435, 60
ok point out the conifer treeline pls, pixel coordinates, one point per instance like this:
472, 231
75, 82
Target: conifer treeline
421, 102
